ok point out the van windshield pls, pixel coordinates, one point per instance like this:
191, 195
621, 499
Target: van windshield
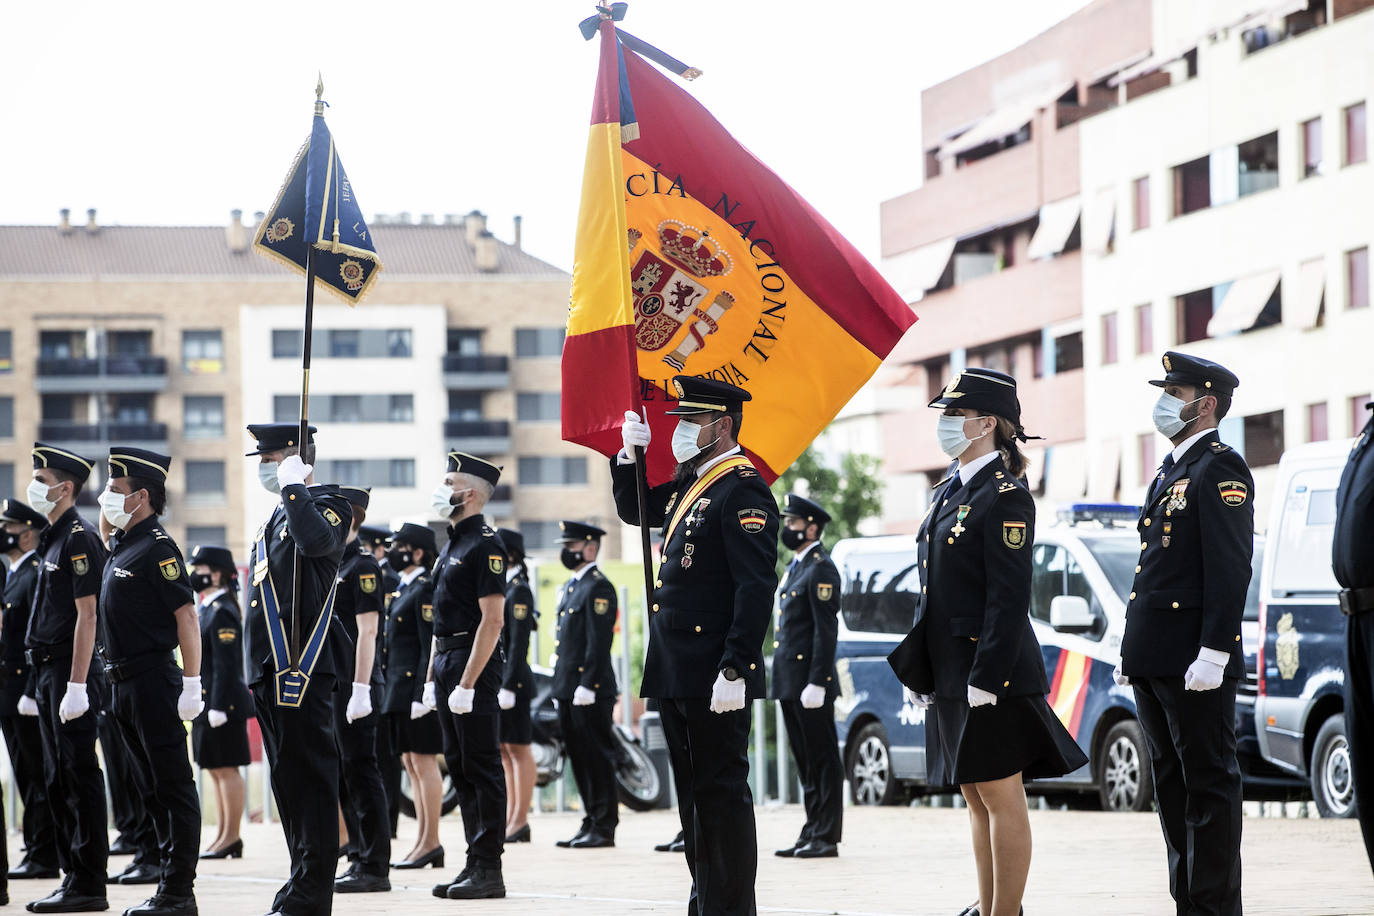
1117, 557
880, 592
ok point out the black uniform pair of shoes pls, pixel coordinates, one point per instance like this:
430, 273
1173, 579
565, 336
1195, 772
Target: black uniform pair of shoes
473, 883
139, 873
30, 869
587, 838
68, 899
810, 849
164, 905
676, 844
357, 881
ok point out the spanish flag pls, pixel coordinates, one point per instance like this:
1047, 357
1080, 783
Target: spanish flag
693, 258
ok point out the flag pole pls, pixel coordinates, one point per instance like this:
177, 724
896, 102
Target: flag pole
642, 487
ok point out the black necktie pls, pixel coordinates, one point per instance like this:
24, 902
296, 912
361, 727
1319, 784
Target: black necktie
1164, 470
955, 483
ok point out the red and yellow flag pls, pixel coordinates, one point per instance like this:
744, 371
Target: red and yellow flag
693, 258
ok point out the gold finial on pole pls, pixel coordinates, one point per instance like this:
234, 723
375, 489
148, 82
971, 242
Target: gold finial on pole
319, 94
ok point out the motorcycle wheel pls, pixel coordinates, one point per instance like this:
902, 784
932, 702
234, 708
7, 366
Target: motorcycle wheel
636, 777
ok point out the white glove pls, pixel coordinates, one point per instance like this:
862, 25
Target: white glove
460, 701
419, 711
75, 703
190, 704
583, 697
812, 696
27, 706
1121, 679
505, 698
428, 698
359, 704
292, 470
1203, 674
727, 696
634, 433
919, 700
216, 718
977, 696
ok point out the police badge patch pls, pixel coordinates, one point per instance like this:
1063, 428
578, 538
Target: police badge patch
368, 583
496, 563
81, 565
1233, 492
427, 612
226, 634
824, 590
521, 611
601, 605
1286, 647
752, 520
171, 569
332, 517
1014, 534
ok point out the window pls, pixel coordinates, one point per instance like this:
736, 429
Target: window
538, 341
136, 408
553, 471
464, 405
400, 408
1141, 216
343, 344
1055, 572
202, 352
286, 344
398, 343
1357, 279
537, 406
1316, 423
6, 418
1146, 449
286, 408
1264, 438
401, 472
1356, 142
1358, 414
6, 353
1258, 164
345, 408
203, 417
542, 535
129, 343
61, 345
1109, 338
1144, 329
1194, 312
206, 535
7, 480
879, 592
347, 473
1305, 527
1068, 352
1192, 186
1311, 147
1037, 359
205, 481
464, 342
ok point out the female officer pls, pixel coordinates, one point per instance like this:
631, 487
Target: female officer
219, 736
992, 726
517, 688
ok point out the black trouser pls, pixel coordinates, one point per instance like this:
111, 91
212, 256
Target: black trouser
1192, 739
710, 757
1359, 719
811, 735
472, 750
74, 784
25, 745
145, 709
130, 815
303, 754
361, 793
591, 751
389, 764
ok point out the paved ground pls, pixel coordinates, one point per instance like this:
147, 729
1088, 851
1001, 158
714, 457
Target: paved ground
894, 861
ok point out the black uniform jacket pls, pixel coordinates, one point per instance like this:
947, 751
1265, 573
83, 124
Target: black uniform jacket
587, 610
515, 638
1352, 547
73, 558
143, 585
714, 592
1197, 537
221, 659
360, 592
405, 650
808, 621
17, 681
975, 554
471, 566
315, 521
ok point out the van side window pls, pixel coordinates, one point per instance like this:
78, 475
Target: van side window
1047, 579
1302, 545
880, 592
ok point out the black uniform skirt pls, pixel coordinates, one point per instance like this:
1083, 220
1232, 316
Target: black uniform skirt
516, 727
416, 736
226, 746
1019, 734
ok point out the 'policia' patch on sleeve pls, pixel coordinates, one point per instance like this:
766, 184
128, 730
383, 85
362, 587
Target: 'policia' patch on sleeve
1233, 492
752, 520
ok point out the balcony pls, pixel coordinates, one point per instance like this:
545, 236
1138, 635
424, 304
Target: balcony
105, 373
476, 373
499, 506
92, 439
478, 437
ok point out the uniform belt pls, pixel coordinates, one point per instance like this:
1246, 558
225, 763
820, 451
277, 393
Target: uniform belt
454, 641
126, 668
44, 654
1356, 600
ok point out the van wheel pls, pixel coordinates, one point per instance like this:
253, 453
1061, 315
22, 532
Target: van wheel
870, 768
1333, 783
1124, 779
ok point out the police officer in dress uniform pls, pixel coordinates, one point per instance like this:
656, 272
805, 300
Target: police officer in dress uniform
60, 643
147, 610
1352, 560
358, 603
804, 682
18, 711
709, 613
517, 689
414, 726
305, 534
377, 541
584, 682
1181, 650
466, 666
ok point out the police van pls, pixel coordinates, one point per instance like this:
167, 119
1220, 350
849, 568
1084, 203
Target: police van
1082, 569
1300, 702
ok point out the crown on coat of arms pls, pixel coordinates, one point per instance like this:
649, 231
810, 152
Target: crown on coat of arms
692, 249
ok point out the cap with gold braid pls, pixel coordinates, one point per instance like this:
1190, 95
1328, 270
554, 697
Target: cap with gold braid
463, 463
358, 496
12, 510
274, 437
138, 462
706, 395
47, 456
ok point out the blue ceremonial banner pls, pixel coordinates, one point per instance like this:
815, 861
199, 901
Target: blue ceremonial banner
316, 207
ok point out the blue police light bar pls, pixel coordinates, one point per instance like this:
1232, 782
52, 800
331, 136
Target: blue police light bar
1106, 514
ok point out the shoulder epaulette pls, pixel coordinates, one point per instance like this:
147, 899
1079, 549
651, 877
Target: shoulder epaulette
746, 472
1219, 447
76, 526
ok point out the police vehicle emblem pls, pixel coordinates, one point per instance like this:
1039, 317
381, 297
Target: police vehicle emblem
1014, 534
171, 570
80, 565
1286, 647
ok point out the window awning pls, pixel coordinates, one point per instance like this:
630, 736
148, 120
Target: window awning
1066, 470
1306, 302
1106, 480
1056, 225
913, 272
1035, 468
1243, 303
1267, 13
1002, 122
1099, 222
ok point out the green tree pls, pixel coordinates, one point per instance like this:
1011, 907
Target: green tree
851, 495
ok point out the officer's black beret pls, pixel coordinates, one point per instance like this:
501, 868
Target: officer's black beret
578, 531
372, 535
705, 395
463, 463
217, 557
275, 437
1208, 377
358, 496
415, 535
12, 510
801, 507
138, 462
46, 456
513, 540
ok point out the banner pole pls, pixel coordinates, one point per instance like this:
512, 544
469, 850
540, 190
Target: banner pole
642, 487
302, 439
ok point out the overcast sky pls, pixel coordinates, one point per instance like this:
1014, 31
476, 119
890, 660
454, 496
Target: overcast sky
175, 113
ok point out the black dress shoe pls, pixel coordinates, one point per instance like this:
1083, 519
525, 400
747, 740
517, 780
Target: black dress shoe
164, 905
817, 849
360, 882
441, 890
434, 857
679, 845
66, 900
564, 844
668, 846
122, 846
139, 874
233, 851
480, 884
520, 836
593, 840
33, 870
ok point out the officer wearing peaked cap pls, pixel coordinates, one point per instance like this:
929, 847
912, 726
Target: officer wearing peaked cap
517, 689
1182, 647
709, 612
377, 540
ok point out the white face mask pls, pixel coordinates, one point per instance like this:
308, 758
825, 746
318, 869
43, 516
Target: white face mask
1168, 415
38, 497
267, 476
685, 446
442, 501
950, 432
112, 507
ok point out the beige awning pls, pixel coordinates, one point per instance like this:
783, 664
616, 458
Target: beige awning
1106, 471
1003, 121
1066, 467
913, 272
1267, 13
1305, 305
1099, 221
1035, 466
1056, 225
1243, 303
